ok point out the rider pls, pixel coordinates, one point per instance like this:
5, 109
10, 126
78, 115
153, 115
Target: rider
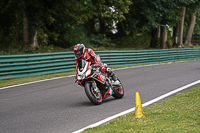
83, 53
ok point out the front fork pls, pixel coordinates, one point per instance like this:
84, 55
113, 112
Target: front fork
94, 86
97, 90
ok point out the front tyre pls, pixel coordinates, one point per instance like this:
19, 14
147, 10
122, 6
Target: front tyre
93, 96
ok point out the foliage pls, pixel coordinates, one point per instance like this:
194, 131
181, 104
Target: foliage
140, 41
31, 50
169, 43
58, 22
64, 23
100, 40
42, 37
145, 15
196, 32
73, 34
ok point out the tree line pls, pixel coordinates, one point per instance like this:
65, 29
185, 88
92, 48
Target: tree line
63, 23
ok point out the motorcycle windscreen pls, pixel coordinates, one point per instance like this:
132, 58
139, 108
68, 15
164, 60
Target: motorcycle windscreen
81, 65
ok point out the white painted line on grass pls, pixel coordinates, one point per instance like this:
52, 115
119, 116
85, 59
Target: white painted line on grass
67, 76
74, 75
143, 105
35, 82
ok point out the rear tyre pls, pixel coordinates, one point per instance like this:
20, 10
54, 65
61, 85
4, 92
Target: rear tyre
118, 91
93, 96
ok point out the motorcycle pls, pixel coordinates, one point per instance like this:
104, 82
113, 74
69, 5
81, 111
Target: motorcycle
97, 85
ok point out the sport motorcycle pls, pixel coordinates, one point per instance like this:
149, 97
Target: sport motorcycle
97, 85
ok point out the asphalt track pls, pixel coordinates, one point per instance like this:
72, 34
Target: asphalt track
60, 105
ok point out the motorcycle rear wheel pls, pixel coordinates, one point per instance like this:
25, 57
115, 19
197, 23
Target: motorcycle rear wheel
94, 97
118, 91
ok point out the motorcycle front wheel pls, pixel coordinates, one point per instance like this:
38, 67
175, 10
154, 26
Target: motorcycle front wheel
93, 96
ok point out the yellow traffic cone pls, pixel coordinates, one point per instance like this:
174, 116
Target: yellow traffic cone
139, 113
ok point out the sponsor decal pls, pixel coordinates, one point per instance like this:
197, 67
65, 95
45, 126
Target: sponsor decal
101, 78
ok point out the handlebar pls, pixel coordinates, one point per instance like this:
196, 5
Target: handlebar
95, 65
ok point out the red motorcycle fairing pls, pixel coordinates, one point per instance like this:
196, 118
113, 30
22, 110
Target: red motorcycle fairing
106, 94
96, 83
101, 78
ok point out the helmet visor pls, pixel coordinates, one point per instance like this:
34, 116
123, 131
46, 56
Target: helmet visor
78, 52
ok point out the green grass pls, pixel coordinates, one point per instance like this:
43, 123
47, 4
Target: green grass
9, 82
177, 114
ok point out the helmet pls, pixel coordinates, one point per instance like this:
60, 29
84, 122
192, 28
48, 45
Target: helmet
79, 50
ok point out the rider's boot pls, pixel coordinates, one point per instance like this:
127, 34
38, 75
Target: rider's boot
114, 79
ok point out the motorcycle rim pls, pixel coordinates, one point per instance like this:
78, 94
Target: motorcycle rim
97, 95
94, 97
118, 91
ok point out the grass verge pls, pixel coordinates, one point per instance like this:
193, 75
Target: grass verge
180, 113
9, 82
177, 114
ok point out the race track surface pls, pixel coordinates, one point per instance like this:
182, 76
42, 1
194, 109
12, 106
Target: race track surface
60, 105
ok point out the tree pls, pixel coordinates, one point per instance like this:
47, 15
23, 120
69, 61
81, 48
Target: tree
178, 36
163, 37
155, 35
11, 23
25, 26
105, 13
180, 28
147, 17
193, 7
49, 21
196, 32
190, 30
79, 18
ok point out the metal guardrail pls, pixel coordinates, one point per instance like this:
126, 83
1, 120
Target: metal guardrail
14, 66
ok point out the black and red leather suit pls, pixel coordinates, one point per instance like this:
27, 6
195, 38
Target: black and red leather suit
90, 56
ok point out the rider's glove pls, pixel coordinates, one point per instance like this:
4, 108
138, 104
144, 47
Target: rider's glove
78, 82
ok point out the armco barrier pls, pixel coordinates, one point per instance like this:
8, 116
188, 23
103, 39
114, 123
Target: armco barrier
14, 66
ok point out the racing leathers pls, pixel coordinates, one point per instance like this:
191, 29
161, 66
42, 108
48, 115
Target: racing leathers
90, 56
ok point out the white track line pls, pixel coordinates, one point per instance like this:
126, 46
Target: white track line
72, 76
35, 82
143, 105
